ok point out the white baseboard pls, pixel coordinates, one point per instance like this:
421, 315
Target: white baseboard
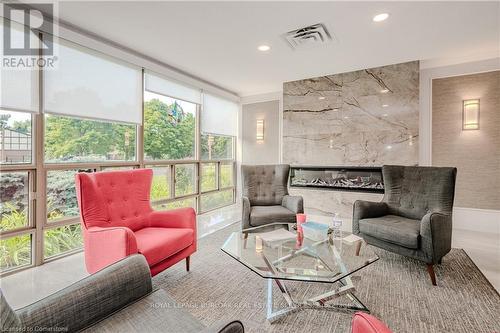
473, 219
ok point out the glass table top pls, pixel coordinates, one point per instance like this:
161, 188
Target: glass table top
329, 260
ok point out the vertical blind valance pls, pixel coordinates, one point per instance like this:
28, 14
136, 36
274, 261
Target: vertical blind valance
157, 84
219, 116
86, 83
18, 85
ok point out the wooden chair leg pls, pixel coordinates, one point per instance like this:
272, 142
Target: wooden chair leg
187, 263
430, 270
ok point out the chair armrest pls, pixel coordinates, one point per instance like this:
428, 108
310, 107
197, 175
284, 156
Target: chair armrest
366, 209
234, 326
435, 231
91, 299
293, 203
245, 218
104, 246
175, 218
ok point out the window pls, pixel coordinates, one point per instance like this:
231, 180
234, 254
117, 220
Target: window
215, 200
61, 194
61, 240
208, 177
185, 179
188, 202
169, 128
14, 195
69, 139
15, 137
160, 187
217, 147
15, 252
226, 174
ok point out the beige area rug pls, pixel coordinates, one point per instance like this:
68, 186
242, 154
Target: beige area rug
396, 289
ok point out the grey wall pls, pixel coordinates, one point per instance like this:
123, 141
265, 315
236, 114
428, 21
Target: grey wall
266, 152
475, 153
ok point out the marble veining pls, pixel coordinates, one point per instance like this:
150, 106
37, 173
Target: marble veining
363, 118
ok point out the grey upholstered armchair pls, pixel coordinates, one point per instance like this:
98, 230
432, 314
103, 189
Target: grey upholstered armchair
414, 218
265, 196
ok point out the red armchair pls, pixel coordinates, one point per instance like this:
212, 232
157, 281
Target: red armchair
365, 323
117, 221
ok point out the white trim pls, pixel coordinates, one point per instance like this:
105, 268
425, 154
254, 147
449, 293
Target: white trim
474, 219
268, 97
426, 77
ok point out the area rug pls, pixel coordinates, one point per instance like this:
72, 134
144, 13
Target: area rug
396, 289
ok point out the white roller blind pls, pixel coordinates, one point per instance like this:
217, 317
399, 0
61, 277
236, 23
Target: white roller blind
90, 84
160, 85
219, 116
18, 85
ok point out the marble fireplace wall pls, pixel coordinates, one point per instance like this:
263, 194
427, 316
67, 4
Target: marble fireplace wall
363, 118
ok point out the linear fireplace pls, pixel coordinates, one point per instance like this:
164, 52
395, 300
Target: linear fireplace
360, 179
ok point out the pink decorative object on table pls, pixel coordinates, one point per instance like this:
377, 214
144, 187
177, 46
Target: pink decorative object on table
301, 218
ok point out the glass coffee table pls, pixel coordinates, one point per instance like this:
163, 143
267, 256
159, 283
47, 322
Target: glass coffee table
331, 261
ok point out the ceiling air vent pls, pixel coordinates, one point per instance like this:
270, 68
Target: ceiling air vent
308, 36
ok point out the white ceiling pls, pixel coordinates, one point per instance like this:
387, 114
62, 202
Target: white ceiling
217, 41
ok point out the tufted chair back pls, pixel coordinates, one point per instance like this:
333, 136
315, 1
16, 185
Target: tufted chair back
115, 198
265, 185
413, 191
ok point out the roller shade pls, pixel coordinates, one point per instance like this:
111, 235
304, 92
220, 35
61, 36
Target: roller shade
157, 84
219, 116
18, 86
89, 84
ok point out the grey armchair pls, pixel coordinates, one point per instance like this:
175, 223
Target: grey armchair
414, 218
118, 298
265, 196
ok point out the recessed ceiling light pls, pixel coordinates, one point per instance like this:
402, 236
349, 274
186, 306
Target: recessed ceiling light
321, 97
389, 147
384, 91
380, 17
385, 115
385, 105
263, 48
346, 117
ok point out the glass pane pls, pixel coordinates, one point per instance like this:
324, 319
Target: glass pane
118, 168
216, 147
14, 195
15, 252
208, 177
169, 128
185, 179
226, 174
215, 200
62, 239
160, 188
189, 202
15, 137
70, 139
61, 195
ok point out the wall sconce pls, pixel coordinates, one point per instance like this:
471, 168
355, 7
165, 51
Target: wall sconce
470, 114
260, 130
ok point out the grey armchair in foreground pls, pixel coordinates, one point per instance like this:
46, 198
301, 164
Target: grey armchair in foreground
414, 218
118, 298
265, 196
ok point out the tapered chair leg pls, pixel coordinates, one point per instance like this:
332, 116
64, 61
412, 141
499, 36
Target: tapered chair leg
187, 264
430, 270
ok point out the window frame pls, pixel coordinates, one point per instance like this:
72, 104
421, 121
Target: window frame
38, 170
